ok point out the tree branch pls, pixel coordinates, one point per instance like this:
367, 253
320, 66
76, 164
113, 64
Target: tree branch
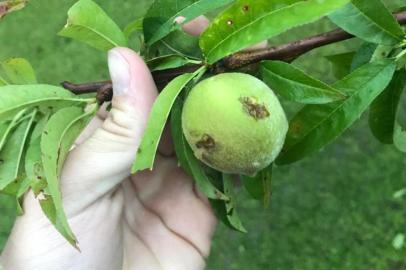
287, 52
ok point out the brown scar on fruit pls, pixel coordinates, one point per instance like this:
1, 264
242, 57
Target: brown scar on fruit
253, 108
207, 142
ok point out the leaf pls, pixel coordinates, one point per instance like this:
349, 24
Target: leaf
363, 55
7, 127
248, 22
11, 154
168, 62
315, 126
134, 26
383, 111
181, 43
58, 136
160, 18
14, 98
231, 210
259, 186
178, 139
157, 119
7, 7
341, 64
295, 85
17, 71
369, 20
399, 138
88, 23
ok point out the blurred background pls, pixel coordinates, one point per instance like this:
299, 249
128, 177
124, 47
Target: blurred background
343, 208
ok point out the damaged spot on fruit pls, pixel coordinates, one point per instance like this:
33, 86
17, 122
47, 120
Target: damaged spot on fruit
207, 142
253, 108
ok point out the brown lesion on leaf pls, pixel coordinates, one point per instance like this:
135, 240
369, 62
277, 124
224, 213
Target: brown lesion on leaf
206, 142
253, 108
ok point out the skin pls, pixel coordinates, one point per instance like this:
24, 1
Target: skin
153, 220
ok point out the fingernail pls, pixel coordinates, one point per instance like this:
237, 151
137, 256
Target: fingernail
119, 73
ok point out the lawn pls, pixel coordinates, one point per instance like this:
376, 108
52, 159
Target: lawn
333, 210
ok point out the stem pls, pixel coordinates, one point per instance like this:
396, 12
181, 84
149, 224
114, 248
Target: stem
287, 52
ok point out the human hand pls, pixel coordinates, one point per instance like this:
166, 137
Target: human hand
151, 220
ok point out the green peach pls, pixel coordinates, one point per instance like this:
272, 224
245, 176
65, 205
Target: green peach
234, 123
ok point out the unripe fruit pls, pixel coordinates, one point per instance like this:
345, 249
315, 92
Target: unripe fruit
234, 123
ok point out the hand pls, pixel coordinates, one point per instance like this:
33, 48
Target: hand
151, 220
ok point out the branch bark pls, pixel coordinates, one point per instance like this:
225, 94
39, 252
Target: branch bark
287, 52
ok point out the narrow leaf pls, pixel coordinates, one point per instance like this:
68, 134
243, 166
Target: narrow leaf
58, 136
231, 210
168, 62
399, 139
295, 85
9, 6
383, 111
157, 119
160, 18
12, 153
248, 22
369, 20
14, 98
17, 71
88, 23
315, 126
259, 186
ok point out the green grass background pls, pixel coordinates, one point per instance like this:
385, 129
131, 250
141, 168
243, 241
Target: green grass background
333, 210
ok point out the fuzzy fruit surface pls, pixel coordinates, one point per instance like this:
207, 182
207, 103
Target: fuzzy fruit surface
234, 123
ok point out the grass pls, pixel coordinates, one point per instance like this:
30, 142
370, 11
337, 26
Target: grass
333, 210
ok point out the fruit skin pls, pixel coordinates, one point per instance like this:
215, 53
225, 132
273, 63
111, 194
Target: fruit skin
234, 123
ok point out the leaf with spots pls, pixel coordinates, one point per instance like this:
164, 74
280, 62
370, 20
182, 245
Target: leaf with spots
9, 6
17, 71
88, 23
57, 138
248, 22
315, 126
11, 155
160, 18
157, 120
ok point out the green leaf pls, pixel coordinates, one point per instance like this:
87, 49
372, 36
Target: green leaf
399, 138
315, 126
58, 136
168, 62
369, 20
341, 64
135, 26
160, 18
248, 22
17, 71
9, 6
181, 43
14, 98
295, 85
157, 119
363, 55
383, 111
7, 127
231, 210
178, 139
12, 153
88, 23
259, 186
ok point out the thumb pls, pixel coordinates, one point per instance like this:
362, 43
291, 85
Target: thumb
104, 159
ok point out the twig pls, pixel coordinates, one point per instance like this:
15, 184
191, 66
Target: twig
287, 52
